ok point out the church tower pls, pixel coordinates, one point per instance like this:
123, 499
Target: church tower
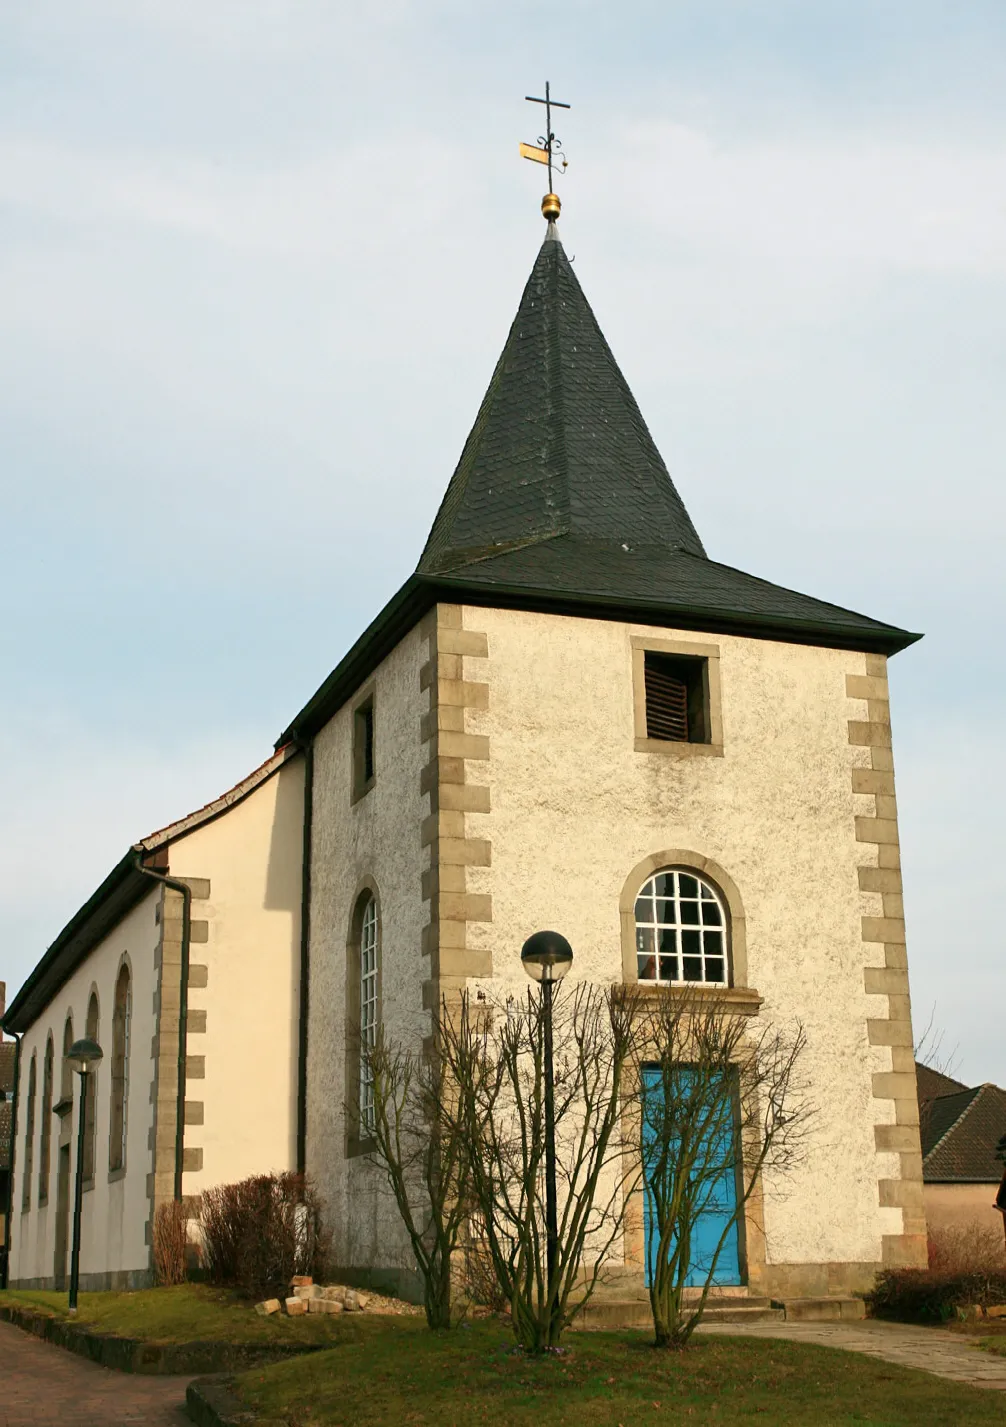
570, 716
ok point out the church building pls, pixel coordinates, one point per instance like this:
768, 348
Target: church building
569, 716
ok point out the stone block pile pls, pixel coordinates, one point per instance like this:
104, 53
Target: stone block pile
306, 1296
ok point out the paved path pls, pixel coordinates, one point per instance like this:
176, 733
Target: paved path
933, 1350
45, 1386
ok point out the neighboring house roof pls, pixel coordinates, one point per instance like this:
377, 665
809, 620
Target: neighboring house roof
932, 1082
562, 503
8, 1060
960, 1132
6, 1108
124, 886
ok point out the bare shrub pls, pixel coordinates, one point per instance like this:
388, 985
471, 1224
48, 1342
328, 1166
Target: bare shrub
501, 1082
970, 1248
170, 1243
481, 1286
423, 1146
261, 1232
915, 1295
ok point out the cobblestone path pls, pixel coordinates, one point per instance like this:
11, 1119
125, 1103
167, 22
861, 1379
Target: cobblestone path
933, 1350
44, 1386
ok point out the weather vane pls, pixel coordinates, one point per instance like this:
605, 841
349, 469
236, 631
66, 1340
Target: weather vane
547, 148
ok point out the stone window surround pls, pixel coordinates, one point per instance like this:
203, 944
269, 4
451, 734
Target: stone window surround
359, 785
737, 996
356, 1144
640, 645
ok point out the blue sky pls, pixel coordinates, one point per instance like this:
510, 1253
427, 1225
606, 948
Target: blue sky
257, 261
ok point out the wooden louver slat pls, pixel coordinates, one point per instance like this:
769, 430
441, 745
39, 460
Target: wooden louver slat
666, 705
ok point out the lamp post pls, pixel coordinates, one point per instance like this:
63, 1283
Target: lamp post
83, 1054
546, 957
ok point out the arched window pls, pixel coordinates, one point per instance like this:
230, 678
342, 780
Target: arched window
120, 1070
91, 1082
45, 1134
65, 1069
29, 1138
368, 1011
681, 931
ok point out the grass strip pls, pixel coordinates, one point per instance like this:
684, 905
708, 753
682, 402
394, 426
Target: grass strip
395, 1370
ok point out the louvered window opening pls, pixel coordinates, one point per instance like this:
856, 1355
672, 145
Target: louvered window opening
680, 931
675, 691
666, 705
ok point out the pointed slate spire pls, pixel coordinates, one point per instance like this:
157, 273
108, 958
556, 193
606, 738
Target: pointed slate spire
559, 446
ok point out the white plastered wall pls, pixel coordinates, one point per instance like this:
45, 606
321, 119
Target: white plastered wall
252, 857
376, 838
575, 808
114, 1212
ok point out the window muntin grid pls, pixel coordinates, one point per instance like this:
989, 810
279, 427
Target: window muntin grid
680, 931
368, 1012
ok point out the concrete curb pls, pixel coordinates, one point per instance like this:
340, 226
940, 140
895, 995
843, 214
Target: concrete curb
133, 1355
210, 1402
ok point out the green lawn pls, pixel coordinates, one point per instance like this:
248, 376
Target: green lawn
192, 1313
394, 1370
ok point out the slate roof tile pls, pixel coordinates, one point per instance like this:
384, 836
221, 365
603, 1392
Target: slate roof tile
559, 445
561, 491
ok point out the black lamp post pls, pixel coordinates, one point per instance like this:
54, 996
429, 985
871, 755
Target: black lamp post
546, 957
83, 1054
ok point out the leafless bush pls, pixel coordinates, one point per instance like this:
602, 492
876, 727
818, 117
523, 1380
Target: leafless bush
257, 1234
170, 1243
969, 1248
422, 1144
481, 1285
501, 1089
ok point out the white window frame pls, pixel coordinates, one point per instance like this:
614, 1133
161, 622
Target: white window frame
664, 914
368, 1012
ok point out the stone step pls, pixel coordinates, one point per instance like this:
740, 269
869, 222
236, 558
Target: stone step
635, 1312
823, 1310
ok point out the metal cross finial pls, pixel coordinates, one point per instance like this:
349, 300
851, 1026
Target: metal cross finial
549, 143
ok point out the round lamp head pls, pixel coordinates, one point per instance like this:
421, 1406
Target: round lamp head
546, 956
84, 1054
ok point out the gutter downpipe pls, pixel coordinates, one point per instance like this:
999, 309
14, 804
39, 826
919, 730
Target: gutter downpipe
183, 1009
305, 962
10, 1169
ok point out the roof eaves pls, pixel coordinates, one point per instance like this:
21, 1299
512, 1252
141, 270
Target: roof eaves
121, 890
881, 639
405, 608
124, 886
220, 805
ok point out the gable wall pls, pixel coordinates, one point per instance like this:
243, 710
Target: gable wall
114, 1212
241, 1083
798, 812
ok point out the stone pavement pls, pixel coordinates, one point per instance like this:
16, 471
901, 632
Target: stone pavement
950, 1355
45, 1386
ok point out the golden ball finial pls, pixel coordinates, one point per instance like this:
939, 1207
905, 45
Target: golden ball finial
550, 206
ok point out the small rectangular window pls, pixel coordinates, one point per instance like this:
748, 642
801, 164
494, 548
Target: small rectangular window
677, 697
363, 747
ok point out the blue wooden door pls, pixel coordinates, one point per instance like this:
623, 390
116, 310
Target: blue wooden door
719, 1206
